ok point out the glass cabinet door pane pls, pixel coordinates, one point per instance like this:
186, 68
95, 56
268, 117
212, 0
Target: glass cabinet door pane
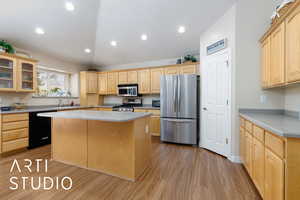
6, 73
27, 76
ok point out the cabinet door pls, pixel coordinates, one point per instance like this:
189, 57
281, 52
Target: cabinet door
27, 76
132, 77
277, 56
92, 82
112, 82
293, 46
172, 70
248, 152
123, 79
8, 74
258, 170
155, 125
188, 69
274, 176
144, 81
155, 80
102, 83
265, 63
242, 144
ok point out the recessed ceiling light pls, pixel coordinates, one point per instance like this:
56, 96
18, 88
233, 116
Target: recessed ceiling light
69, 6
39, 31
144, 37
87, 50
181, 29
113, 43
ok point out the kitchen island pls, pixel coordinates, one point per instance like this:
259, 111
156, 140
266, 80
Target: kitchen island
114, 143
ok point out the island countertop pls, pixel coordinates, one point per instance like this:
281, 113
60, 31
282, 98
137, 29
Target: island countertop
108, 116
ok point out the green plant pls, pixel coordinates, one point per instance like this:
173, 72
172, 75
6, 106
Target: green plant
55, 90
191, 58
7, 47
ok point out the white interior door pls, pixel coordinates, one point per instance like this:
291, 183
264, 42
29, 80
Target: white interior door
215, 109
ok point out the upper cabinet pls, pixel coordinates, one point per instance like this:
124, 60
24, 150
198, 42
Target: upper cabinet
17, 74
132, 77
123, 77
102, 83
92, 82
155, 79
8, 73
293, 46
144, 81
189, 69
112, 82
172, 70
280, 62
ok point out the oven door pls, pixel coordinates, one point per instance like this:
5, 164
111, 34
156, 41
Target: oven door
128, 90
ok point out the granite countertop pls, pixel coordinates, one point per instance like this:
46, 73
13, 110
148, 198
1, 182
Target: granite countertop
277, 122
108, 116
43, 108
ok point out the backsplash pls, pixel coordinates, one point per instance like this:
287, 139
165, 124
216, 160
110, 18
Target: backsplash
147, 99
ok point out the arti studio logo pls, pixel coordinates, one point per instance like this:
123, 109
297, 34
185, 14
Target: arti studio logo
36, 182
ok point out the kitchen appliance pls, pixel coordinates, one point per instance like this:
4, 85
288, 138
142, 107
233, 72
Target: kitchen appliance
129, 90
180, 108
39, 130
156, 103
128, 105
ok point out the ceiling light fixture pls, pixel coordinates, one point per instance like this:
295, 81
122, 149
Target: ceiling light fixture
181, 29
144, 37
39, 31
87, 50
69, 6
113, 43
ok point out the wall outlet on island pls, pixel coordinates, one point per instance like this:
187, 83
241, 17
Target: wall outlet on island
263, 98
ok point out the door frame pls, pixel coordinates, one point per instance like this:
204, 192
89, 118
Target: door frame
229, 107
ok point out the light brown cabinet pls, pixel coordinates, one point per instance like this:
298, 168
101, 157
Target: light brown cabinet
8, 73
112, 82
266, 59
102, 81
189, 69
144, 81
248, 152
123, 77
155, 79
277, 56
293, 46
89, 89
258, 170
27, 76
274, 177
172, 70
132, 77
154, 121
92, 82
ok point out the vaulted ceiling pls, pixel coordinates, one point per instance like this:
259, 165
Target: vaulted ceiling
95, 23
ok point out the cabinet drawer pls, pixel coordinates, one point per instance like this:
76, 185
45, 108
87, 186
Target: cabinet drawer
14, 144
105, 109
155, 112
14, 125
259, 133
15, 134
248, 126
242, 122
15, 117
275, 144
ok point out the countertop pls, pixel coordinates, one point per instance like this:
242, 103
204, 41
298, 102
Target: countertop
108, 116
43, 108
145, 106
276, 122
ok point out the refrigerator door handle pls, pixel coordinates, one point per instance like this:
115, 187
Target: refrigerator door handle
175, 94
179, 120
178, 93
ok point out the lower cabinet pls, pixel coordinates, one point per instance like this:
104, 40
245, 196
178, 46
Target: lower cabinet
154, 121
271, 162
104, 109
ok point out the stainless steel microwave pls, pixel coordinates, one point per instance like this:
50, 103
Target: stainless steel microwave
128, 90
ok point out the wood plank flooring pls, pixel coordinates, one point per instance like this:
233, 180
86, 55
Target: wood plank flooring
175, 173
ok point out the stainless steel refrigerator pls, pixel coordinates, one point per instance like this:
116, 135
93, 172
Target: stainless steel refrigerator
179, 96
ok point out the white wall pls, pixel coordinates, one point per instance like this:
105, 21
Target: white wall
225, 27
292, 98
51, 62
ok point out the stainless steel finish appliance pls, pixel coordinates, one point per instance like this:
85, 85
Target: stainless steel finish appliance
128, 104
156, 103
180, 108
130, 90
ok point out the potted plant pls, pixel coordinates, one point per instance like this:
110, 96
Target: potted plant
6, 47
189, 58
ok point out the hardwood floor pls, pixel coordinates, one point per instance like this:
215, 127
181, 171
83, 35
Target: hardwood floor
176, 173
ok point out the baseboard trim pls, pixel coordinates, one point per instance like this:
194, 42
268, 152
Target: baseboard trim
234, 159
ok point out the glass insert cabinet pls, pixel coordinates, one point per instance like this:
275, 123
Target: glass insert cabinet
17, 74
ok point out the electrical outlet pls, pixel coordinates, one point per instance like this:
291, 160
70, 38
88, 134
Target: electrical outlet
263, 99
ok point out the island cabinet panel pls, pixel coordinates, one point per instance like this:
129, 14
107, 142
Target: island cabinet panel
274, 177
112, 82
144, 81
155, 80
102, 81
293, 46
132, 77
123, 77
69, 141
265, 62
277, 74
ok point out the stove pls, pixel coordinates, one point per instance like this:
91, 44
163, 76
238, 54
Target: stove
123, 108
128, 105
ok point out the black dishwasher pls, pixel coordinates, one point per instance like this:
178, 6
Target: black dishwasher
39, 130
